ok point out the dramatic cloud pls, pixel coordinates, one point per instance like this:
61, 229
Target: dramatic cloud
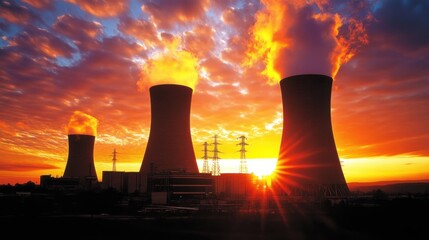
83, 33
404, 24
142, 30
167, 14
14, 13
385, 88
239, 21
41, 4
102, 8
200, 41
27, 166
48, 45
219, 72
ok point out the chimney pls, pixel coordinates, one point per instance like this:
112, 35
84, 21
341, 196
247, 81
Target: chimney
169, 147
308, 161
80, 162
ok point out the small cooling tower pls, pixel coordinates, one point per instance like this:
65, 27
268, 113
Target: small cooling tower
80, 162
169, 147
308, 161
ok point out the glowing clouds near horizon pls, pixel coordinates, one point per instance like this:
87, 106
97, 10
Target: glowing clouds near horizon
300, 38
172, 66
82, 123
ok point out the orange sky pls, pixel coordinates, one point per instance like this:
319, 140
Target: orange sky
100, 59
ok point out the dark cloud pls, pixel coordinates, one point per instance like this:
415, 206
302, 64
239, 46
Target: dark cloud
142, 30
222, 4
402, 24
102, 8
122, 48
4, 27
41, 4
14, 13
12, 165
385, 88
110, 63
239, 20
83, 33
48, 45
167, 14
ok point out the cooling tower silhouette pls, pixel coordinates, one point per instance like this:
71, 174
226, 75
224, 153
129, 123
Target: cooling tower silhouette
80, 162
169, 147
308, 161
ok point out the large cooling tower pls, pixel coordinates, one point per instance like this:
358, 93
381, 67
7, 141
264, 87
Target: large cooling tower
80, 162
308, 161
169, 147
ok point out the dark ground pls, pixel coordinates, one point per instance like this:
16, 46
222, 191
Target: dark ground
392, 219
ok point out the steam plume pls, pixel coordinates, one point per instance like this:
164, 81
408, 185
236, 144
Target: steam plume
82, 123
301, 37
172, 66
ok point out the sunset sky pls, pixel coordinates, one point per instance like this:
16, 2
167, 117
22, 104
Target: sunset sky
99, 57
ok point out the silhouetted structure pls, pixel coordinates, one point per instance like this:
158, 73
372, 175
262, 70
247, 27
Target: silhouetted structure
206, 168
308, 163
215, 165
62, 184
170, 144
124, 182
235, 186
80, 162
243, 163
114, 159
179, 186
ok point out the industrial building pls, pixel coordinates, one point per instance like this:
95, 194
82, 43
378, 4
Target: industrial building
179, 187
124, 182
234, 186
62, 184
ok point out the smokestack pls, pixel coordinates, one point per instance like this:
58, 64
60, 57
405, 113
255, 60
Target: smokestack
308, 161
170, 145
80, 162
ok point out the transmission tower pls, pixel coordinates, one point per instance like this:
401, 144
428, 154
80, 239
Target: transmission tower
206, 159
114, 160
215, 166
243, 163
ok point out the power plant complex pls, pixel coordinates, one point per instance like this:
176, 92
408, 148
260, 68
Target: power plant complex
308, 162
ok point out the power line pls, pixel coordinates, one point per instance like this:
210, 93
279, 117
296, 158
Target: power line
206, 161
114, 160
243, 163
215, 166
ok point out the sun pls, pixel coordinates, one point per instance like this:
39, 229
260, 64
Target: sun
261, 166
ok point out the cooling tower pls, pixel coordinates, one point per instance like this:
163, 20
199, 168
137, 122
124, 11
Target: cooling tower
169, 147
308, 161
80, 162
